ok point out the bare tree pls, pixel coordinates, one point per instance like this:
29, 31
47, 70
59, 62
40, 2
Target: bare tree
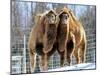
16, 22
89, 17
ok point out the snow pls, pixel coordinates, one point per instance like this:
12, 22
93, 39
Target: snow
83, 66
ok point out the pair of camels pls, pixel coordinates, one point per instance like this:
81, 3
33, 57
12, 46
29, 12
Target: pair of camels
56, 31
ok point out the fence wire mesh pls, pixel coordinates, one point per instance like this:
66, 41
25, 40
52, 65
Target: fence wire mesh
22, 20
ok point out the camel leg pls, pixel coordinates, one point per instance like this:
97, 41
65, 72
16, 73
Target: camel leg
44, 63
32, 60
82, 52
76, 54
70, 48
61, 59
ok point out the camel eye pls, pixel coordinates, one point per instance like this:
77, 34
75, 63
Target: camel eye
48, 15
66, 17
52, 16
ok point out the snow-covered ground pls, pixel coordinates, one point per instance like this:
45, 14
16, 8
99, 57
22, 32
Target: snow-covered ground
82, 66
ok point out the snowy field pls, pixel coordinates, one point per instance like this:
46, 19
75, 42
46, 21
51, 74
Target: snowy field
83, 66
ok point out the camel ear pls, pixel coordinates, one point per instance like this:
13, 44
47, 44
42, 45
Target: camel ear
63, 10
60, 13
51, 11
70, 11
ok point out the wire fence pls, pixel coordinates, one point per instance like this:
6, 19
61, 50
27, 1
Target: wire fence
20, 54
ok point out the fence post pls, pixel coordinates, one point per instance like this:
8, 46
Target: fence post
24, 55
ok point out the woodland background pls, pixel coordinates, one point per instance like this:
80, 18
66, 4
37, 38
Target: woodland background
22, 20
